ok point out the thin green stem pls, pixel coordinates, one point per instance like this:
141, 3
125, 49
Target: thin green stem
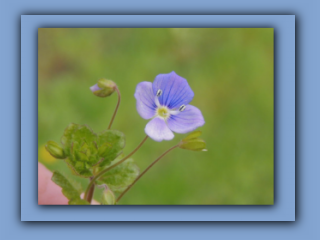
116, 110
114, 165
154, 162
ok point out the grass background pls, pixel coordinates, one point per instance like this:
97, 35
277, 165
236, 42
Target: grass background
231, 74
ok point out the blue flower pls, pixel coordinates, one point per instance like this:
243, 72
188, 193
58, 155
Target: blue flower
166, 103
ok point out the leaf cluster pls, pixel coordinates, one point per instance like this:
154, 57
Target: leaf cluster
87, 153
86, 150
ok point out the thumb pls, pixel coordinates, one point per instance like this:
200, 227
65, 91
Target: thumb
49, 193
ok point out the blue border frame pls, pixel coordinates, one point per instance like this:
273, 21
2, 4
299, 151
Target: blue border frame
284, 207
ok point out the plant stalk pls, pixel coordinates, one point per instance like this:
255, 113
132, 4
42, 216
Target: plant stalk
116, 110
154, 162
90, 193
109, 168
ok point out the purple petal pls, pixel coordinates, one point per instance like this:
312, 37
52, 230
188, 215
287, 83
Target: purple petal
145, 100
95, 88
175, 90
186, 121
158, 130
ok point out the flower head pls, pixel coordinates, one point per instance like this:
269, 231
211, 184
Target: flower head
166, 103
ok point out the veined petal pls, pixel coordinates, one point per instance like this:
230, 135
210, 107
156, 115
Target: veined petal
158, 130
186, 121
145, 100
175, 90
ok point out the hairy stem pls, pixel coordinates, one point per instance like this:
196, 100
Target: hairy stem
154, 162
90, 193
116, 110
109, 168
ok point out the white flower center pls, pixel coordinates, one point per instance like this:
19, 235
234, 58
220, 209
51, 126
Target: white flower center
163, 112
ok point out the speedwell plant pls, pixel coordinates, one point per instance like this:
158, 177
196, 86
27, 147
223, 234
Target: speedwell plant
99, 156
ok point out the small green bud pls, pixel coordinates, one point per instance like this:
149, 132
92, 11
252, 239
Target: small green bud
108, 197
192, 142
192, 135
55, 150
194, 145
103, 88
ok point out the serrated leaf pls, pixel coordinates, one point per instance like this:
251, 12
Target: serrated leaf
68, 189
86, 150
81, 148
84, 135
78, 201
121, 176
104, 149
84, 145
66, 138
110, 144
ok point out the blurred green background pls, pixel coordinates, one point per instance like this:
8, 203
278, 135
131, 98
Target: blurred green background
231, 73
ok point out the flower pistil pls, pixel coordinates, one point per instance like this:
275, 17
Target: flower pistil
163, 112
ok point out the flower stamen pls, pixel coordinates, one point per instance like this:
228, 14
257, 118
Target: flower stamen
182, 108
163, 112
159, 92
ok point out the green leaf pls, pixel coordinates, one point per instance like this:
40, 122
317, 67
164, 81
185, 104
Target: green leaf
78, 201
84, 135
66, 138
79, 169
81, 148
86, 150
84, 147
68, 189
121, 176
110, 145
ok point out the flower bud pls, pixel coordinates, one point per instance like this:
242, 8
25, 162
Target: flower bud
55, 150
108, 197
192, 142
103, 88
194, 145
192, 135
